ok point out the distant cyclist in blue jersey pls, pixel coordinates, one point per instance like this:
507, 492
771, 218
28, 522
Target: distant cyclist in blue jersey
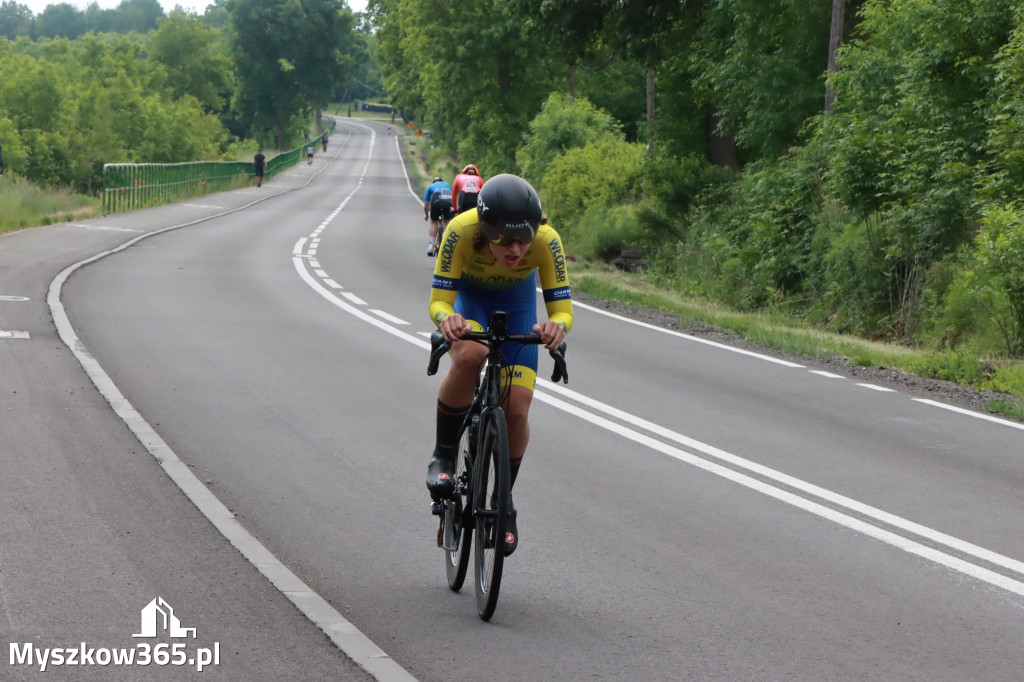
437, 206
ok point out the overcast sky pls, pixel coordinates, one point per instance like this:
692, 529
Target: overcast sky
197, 6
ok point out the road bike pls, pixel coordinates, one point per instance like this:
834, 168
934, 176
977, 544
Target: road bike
480, 505
442, 223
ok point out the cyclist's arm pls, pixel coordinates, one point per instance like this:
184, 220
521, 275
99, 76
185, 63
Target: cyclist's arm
427, 197
554, 278
447, 275
456, 188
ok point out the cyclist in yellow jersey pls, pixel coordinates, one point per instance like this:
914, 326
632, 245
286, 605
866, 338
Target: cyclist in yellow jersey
489, 260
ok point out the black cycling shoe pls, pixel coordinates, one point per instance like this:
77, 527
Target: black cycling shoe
440, 476
511, 531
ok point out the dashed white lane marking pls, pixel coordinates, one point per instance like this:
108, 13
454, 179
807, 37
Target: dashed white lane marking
969, 413
880, 389
14, 335
105, 228
827, 375
320, 273
387, 316
332, 284
352, 297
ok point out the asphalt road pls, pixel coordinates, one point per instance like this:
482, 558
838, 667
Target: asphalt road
687, 511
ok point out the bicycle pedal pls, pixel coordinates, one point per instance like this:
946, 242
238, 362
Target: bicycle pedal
437, 508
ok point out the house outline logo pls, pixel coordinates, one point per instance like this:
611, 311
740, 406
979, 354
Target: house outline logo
158, 615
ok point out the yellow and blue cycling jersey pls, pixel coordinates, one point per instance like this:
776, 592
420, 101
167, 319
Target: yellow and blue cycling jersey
474, 284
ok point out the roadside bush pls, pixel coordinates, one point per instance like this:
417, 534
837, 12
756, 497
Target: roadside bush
983, 305
15, 154
759, 233
961, 307
673, 187
1000, 254
607, 231
1009, 378
851, 276
561, 125
588, 180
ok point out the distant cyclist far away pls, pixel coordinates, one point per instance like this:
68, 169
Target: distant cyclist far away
465, 188
437, 208
489, 260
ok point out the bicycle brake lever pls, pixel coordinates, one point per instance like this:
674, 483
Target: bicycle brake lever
561, 372
438, 347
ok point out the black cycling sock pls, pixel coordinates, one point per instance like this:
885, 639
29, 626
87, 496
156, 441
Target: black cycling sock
449, 419
513, 466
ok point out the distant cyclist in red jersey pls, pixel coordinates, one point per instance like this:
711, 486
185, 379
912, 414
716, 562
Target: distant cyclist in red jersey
467, 185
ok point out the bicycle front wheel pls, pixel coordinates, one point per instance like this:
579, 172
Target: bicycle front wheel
490, 509
457, 531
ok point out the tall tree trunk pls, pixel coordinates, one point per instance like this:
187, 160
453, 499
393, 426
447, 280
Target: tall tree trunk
572, 84
834, 41
721, 148
279, 134
650, 111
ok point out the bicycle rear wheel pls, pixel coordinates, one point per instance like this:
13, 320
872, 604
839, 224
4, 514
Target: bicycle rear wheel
490, 509
457, 531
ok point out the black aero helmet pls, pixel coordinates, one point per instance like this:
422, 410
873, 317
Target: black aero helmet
509, 210
437, 180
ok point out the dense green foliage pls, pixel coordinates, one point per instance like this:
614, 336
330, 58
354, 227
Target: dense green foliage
70, 106
694, 130
892, 215
287, 53
79, 89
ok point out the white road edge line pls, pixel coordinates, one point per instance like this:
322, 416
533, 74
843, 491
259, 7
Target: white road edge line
828, 375
357, 646
688, 337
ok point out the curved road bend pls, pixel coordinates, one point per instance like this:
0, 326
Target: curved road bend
687, 511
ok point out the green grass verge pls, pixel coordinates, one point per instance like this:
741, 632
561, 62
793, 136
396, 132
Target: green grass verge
27, 205
774, 330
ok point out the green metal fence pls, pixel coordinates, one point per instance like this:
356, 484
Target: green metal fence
128, 186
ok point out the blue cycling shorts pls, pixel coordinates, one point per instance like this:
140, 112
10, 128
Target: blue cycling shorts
519, 364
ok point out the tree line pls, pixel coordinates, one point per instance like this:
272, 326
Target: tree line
853, 162
170, 88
